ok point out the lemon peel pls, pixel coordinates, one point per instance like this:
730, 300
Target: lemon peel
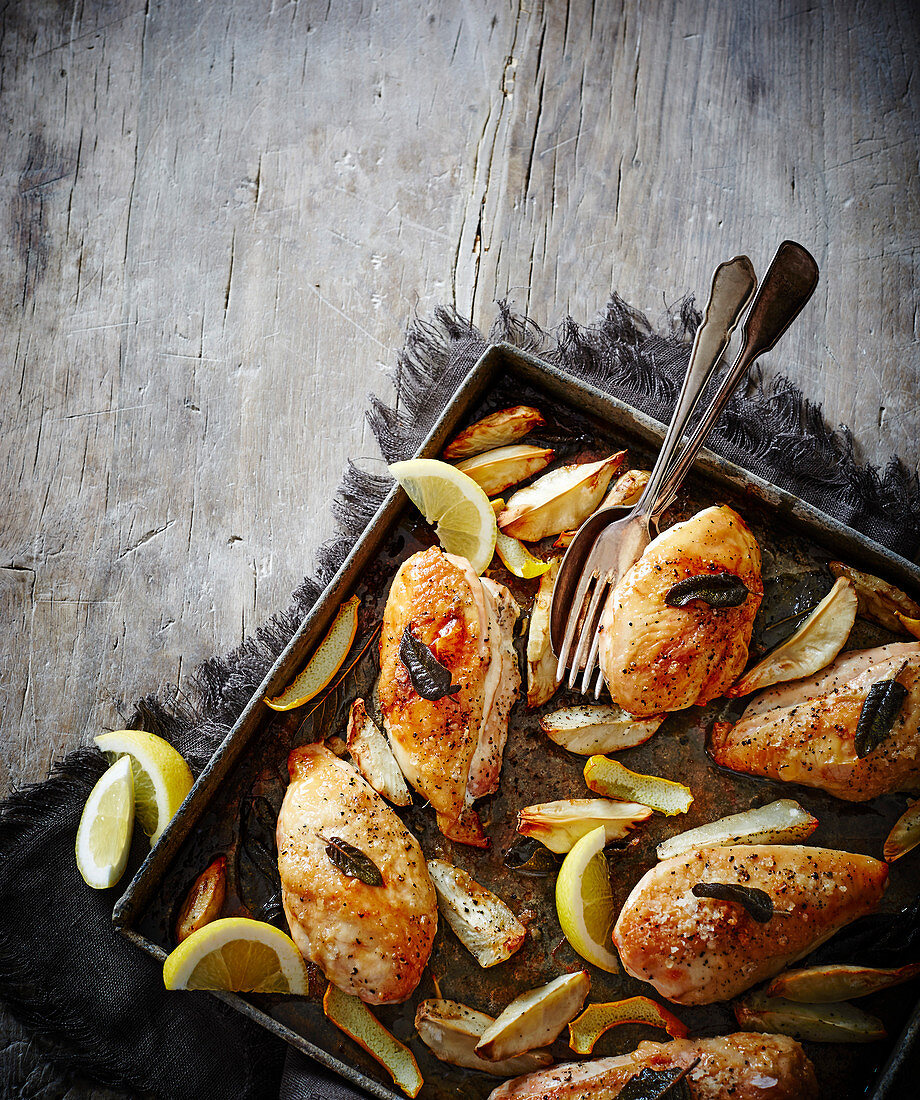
327, 659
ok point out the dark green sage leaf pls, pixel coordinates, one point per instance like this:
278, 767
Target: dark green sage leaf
529, 857
876, 718
716, 589
758, 903
653, 1084
351, 861
429, 677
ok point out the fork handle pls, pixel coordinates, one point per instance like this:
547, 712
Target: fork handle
733, 284
787, 286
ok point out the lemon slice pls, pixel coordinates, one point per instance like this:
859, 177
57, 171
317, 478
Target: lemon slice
161, 777
326, 661
239, 955
104, 833
455, 503
584, 902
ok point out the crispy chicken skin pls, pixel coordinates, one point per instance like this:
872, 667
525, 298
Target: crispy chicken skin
451, 749
804, 732
699, 950
371, 941
743, 1066
658, 658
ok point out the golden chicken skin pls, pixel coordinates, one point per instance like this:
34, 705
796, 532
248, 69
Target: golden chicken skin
450, 749
805, 731
697, 950
371, 941
658, 656
742, 1066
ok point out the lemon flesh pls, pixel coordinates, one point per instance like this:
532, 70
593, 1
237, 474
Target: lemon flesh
448, 498
162, 778
239, 955
104, 832
584, 902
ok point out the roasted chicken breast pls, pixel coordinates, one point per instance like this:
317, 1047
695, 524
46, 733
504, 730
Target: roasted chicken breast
450, 749
699, 950
743, 1066
371, 941
804, 732
658, 658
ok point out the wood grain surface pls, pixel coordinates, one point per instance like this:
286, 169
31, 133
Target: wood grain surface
220, 217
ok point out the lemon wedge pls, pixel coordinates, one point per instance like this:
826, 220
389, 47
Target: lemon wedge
161, 777
326, 661
238, 955
584, 902
352, 1016
518, 559
104, 832
465, 521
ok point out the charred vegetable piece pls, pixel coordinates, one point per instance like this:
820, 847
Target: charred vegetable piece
451, 1031
536, 1018
878, 714
758, 903
597, 729
352, 1016
813, 646
326, 661
559, 825
351, 861
780, 822
430, 679
904, 835
558, 500
611, 779
373, 756
586, 1029
827, 1023
204, 901
495, 430
529, 857
879, 601
658, 1084
482, 922
716, 589
827, 984
541, 661
496, 470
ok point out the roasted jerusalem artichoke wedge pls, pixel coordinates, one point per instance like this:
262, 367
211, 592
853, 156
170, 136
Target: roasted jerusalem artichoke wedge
451, 1031
879, 601
541, 661
805, 732
495, 430
481, 921
558, 500
742, 1066
588, 730
560, 825
505, 466
697, 950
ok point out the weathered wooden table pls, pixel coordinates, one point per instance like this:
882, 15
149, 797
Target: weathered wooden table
220, 217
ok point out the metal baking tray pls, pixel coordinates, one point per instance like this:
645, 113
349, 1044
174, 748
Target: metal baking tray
231, 807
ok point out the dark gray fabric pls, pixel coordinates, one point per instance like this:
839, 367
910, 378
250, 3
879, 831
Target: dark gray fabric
95, 1004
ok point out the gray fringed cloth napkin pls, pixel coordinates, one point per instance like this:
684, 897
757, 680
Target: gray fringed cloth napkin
94, 1006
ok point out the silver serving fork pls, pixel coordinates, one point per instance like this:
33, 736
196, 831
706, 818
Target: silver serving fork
610, 541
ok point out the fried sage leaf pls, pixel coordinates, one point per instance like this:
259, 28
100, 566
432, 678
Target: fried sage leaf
876, 718
716, 589
655, 1084
758, 903
528, 856
351, 861
812, 647
429, 677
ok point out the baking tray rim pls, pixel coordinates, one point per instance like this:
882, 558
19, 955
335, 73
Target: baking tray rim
589, 399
